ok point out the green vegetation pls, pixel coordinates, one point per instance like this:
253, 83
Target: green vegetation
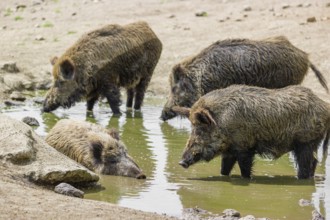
72, 32
47, 24
18, 18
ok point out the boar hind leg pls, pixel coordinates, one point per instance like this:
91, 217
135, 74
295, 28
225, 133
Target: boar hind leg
227, 163
130, 96
305, 158
245, 162
139, 92
113, 97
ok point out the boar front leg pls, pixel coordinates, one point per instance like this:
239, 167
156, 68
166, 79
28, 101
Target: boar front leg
113, 97
91, 102
130, 96
139, 92
245, 162
227, 163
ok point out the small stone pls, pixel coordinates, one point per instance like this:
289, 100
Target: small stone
304, 202
239, 20
67, 189
9, 67
30, 121
12, 103
317, 216
285, 6
171, 16
38, 100
311, 19
231, 213
299, 5
74, 14
327, 5
307, 5
271, 9
4, 27
248, 217
37, 26
247, 8
201, 14
39, 38
17, 96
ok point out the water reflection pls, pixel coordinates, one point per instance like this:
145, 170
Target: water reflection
157, 146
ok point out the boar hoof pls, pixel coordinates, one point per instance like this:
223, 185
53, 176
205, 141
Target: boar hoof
183, 164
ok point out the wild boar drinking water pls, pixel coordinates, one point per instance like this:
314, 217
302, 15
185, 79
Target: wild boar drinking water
93, 146
269, 63
101, 62
240, 121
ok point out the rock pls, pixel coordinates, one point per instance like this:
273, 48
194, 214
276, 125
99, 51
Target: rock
38, 100
30, 121
317, 216
247, 8
201, 14
39, 38
17, 96
11, 103
311, 19
248, 217
9, 67
285, 6
304, 202
27, 154
231, 213
68, 190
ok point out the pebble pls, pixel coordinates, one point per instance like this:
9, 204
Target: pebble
17, 96
68, 190
13, 103
304, 202
201, 14
328, 4
285, 6
9, 67
247, 8
39, 38
231, 213
30, 121
311, 19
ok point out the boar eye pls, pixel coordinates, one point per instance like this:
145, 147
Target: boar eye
112, 159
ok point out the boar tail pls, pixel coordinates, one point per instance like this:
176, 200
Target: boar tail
183, 111
320, 77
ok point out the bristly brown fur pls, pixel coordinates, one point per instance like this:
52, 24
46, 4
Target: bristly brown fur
101, 62
253, 120
269, 63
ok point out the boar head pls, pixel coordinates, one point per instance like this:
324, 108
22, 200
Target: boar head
65, 90
111, 158
183, 92
205, 141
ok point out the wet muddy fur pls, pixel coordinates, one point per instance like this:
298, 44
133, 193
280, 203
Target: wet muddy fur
269, 63
240, 121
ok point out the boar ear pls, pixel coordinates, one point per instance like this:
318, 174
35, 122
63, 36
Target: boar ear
178, 73
183, 111
114, 133
204, 116
53, 60
97, 148
67, 69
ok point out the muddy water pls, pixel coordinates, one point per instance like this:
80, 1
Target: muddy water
156, 146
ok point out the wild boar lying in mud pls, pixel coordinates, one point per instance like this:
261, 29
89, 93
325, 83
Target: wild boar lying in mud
269, 63
93, 146
101, 62
240, 121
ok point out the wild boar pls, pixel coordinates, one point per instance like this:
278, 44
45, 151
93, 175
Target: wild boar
240, 121
269, 63
101, 62
93, 146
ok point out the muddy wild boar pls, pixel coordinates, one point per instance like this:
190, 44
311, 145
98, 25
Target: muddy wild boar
93, 146
240, 121
269, 63
101, 62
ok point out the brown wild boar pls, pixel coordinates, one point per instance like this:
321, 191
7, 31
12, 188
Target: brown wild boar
240, 121
101, 62
269, 63
93, 146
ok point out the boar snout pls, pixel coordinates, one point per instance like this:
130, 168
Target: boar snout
141, 176
48, 107
167, 114
184, 164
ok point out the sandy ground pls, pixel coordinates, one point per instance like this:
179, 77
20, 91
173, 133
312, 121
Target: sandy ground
33, 31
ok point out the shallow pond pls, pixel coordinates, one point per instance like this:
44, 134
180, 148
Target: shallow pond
156, 146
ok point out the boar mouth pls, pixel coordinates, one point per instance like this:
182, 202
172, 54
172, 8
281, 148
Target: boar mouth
167, 114
184, 164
